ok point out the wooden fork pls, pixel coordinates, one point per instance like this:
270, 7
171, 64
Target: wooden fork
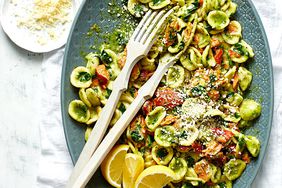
138, 46
144, 93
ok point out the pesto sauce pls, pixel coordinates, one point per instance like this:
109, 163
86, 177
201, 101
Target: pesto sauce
177, 165
114, 32
155, 117
80, 110
137, 136
84, 77
157, 2
93, 29
122, 108
162, 153
116, 39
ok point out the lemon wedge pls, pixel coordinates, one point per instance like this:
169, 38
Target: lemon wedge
112, 166
133, 166
156, 176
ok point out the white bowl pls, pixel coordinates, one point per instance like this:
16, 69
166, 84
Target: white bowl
11, 12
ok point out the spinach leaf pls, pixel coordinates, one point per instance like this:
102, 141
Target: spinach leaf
198, 90
122, 108
162, 153
105, 57
84, 76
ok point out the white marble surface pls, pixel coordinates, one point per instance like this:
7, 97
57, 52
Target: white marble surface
20, 94
20, 80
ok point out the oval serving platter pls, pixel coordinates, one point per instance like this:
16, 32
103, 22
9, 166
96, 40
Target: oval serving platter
93, 11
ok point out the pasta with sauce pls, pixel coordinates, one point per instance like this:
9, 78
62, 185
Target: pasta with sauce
194, 123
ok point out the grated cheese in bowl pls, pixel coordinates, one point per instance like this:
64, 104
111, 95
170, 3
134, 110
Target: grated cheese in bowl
38, 25
47, 16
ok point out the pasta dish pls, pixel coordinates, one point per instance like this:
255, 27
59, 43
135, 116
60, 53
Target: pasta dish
194, 124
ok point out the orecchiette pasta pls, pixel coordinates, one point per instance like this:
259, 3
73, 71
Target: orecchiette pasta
192, 122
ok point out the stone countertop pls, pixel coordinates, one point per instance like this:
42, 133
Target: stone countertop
20, 81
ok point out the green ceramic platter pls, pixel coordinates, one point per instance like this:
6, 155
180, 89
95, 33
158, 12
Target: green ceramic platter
93, 11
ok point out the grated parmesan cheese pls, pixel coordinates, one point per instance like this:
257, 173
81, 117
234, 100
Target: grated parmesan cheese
46, 16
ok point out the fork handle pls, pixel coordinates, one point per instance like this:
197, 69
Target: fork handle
99, 130
145, 92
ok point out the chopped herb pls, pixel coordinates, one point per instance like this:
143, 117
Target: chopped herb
208, 27
84, 76
105, 57
231, 63
222, 185
81, 110
149, 141
136, 136
142, 150
94, 29
190, 10
95, 89
162, 153
238, 48
122, 108
187, 185
184, 134
132, 91
212, 78
121, 39
157, 1
231, 94
176, 110
237, 115
198, 90
139, 10
241, 142
181, 46
190, 161
109, 91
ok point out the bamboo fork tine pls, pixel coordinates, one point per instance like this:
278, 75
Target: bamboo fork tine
153, 26
140, 25
145, 26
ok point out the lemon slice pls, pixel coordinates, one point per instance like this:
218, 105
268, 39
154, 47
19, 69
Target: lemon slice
133, 166
156, 176
111, 167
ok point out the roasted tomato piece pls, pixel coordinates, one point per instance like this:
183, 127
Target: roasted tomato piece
183, 148
222, 135
246, 158
145, 75
213, 148
169, 119
170, 36
215, 42
235, 81
214, 94
168, 98
95, 82
218, 55
198, 148
122, 58
147, 107
103, 74
233, 54
135, 73
203, 169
